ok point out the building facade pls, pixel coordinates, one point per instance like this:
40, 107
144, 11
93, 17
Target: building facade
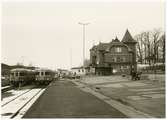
116, 57
80, 70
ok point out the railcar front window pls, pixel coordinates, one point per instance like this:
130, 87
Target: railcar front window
12, 74
22, 74
16, 74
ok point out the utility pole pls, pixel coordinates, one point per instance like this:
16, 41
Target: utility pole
83, 24
71, 57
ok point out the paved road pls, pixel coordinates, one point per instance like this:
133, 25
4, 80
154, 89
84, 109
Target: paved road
63, 99
147, 95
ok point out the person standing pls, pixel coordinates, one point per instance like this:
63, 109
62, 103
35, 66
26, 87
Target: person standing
133, 74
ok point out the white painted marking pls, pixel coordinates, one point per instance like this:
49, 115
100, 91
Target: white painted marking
136, 98
98, 80
135, 84
111, 85
149, 92
148, 89
155, 95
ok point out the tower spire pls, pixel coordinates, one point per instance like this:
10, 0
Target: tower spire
128, 38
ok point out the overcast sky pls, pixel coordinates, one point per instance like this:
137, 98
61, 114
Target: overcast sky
43, 32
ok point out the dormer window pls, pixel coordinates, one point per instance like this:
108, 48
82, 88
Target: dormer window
118, 49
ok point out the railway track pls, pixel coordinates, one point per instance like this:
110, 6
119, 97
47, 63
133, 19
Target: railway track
12, 107
7, 102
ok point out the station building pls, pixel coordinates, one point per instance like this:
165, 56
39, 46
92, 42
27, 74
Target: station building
115, 57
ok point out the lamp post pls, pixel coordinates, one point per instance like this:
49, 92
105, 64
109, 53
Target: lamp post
83, 24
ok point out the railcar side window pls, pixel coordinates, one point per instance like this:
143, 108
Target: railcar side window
47, 73
37, 73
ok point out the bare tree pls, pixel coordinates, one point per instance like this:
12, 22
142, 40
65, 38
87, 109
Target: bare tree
139, 47
148, 47
156, 35
163, 38
161, 46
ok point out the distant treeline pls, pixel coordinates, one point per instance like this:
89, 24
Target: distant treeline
151, 47
5, 69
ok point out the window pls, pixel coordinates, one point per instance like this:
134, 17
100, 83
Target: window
118, 59
47, 73
123, 59
125, 67
97, 62
12, 74
118, 49
78, 70
16, 74
82, 70
113, 59
37, 73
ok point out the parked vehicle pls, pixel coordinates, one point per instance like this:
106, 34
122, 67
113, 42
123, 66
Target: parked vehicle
21, 76
44, 76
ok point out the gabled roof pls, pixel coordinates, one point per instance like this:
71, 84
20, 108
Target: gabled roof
117, 44
107, 46
79, 67
21, 70
43, 69
128, 38
94, 47
115, 40
103, 46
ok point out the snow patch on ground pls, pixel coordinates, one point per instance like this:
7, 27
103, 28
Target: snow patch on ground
11, 108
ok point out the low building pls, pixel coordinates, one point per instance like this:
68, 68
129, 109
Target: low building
63, 72
80, 70
114, 57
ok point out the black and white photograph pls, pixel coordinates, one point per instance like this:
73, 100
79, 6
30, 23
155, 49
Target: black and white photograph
83, 59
